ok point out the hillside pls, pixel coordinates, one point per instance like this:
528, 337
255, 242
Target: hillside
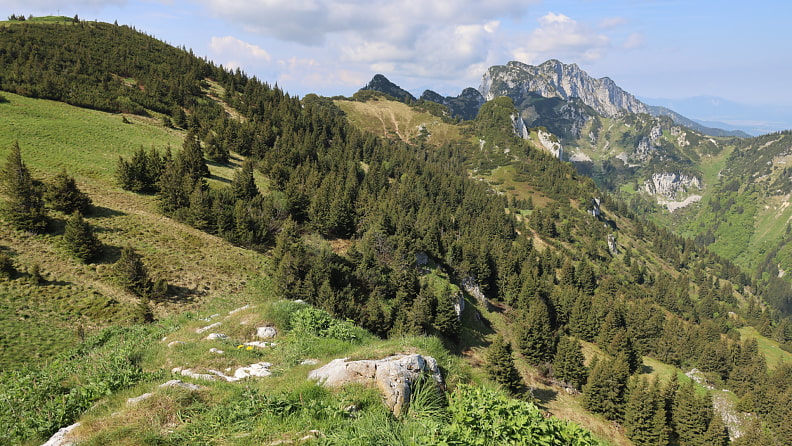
359, 230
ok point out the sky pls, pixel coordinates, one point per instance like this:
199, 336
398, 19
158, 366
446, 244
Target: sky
672, 49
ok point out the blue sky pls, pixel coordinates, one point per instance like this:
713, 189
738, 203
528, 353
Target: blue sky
737, 50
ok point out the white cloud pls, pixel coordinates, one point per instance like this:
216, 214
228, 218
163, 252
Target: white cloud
442, 38
311, 72
612, 22
231, 48
561, 37
634, 40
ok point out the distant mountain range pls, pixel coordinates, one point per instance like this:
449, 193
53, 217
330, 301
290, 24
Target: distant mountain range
713, 111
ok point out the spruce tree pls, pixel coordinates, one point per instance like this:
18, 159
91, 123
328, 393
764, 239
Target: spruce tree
174, 188
63, 195
582, 320
131, 273
605, 390
644, 414
24, 205
568, 363
499, 365
446, 321
692, 415
717, 434
191, 158
201, 215
535, 334
80, 239
244, 185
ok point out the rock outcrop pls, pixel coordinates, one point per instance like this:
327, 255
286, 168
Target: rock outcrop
392, 376
671, 184
554, 79
61, 438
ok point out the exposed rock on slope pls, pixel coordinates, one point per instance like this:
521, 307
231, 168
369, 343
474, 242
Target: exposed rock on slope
671, 185
392, 375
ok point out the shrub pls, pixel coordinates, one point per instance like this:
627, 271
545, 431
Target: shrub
315, 322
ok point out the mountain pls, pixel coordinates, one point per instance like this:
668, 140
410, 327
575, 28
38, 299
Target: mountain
719, 112
553, 79
382, 84
253, 242
655, 110
465, 106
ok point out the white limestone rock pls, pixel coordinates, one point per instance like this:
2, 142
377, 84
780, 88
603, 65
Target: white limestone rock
266, 332
207, 328
61, 438
392, 375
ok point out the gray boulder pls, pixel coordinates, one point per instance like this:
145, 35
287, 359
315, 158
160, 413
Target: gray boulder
392, 375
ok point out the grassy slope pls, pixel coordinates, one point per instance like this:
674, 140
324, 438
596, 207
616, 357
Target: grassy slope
397, 120
54, 136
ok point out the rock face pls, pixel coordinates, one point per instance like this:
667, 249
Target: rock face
392, 376
551, 144
671, 185
472, 287
554, 79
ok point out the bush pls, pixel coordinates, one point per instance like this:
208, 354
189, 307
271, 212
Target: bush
315, 322
63, 195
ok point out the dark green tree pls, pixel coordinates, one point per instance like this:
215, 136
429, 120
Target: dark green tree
535, 337
692, 415
244, 185
80, 239
24, 205
582, 320
446, 321
63, 195
216, 149
191, 159
175, 187
499, 365
568, 363
201, 215
132, 274
717, 434
604, 393
644, 414
143, 311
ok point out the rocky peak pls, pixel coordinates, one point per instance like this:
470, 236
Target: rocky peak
381, 83
464, 106
554, 79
